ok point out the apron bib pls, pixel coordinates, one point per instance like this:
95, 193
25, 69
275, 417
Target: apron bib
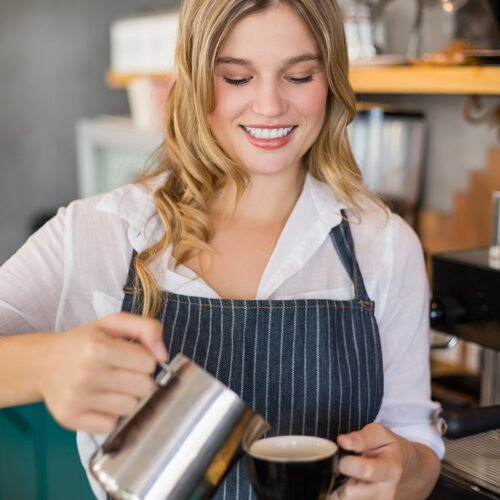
311, 367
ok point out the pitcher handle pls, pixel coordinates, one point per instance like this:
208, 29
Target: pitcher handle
165, 375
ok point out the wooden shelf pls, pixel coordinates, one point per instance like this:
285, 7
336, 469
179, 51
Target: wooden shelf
425, 79
121, 80
418, 79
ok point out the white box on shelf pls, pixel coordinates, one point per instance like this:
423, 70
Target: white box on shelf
111, 152
144, 44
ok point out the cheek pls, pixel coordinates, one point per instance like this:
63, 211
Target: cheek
315, 107
229, 105
312, 103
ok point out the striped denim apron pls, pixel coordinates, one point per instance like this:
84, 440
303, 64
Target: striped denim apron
307, 366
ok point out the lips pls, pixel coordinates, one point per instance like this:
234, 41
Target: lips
269, 137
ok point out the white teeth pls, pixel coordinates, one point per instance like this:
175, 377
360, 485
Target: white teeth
268, 133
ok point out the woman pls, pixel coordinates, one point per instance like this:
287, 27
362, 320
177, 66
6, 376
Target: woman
286, 278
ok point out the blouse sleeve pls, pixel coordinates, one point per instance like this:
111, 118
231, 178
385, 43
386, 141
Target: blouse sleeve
31, 281
404, 325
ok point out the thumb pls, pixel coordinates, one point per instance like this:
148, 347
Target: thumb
371, 437
147, 331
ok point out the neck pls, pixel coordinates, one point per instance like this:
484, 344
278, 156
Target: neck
267, 198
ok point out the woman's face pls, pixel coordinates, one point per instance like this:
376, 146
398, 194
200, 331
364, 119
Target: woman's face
271, 92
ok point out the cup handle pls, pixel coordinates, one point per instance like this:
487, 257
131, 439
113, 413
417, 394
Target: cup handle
339, 479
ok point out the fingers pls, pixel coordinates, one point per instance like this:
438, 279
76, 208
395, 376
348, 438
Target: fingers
368, 440
146, 330
115, 404
370, 469
357, 490
116, 397
91, 375
130, 356
94, 370
95, 423
377, 473
120, 381
99, 350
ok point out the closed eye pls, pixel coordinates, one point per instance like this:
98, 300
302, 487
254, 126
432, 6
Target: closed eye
240, 81
305, 79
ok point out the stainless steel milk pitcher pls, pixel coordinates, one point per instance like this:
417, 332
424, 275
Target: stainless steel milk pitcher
180, 441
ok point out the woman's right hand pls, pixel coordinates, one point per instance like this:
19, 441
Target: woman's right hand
92, 375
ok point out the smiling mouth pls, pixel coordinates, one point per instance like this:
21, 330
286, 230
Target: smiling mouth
268, 133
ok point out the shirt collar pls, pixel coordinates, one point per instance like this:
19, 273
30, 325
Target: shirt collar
328, 205
135, 204
316, 212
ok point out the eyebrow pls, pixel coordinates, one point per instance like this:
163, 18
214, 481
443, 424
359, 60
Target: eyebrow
288, 62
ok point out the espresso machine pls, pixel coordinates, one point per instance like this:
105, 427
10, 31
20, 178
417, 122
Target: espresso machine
466, 305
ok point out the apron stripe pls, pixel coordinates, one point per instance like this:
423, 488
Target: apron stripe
369, 399
237, 482
198, 331
243, 342
187, 324
292, 388
230, 376
280, 376
268, 355
329, 392
340, 379
174, 325
304, 365
217, 371
358, 369
254, 381
318, 333
347, 360
238, 468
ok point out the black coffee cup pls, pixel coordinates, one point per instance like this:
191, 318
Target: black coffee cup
292, 467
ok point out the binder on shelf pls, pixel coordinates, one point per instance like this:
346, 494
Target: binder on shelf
144, 44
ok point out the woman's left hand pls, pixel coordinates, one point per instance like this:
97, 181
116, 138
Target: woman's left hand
388, 468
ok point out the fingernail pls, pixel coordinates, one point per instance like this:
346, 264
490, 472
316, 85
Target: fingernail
160, 350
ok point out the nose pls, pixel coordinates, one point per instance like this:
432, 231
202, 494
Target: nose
269, 100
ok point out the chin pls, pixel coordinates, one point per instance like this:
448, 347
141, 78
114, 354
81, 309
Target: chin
266, 166
267, 170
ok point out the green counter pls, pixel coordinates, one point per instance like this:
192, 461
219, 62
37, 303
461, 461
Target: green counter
38, 458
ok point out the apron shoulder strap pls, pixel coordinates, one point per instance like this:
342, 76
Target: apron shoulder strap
128, 304
344, 245
129, 285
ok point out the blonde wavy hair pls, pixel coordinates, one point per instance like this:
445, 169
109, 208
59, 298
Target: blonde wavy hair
196, 165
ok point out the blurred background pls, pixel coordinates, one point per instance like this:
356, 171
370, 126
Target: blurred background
82, 85
53, 59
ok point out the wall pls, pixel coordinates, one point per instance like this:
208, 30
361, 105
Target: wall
53, 57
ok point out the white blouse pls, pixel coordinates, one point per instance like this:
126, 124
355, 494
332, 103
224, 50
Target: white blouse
72, 271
